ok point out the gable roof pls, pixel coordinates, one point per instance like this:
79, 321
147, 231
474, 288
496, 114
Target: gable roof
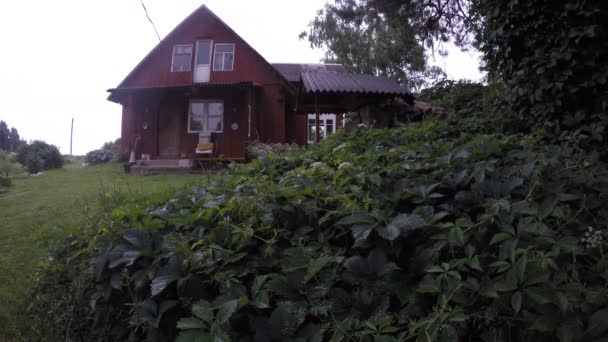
293, 71
198, 12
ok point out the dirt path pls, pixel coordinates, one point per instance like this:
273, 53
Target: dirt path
15, 195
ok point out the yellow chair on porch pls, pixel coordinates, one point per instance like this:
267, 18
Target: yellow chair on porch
204, 152
206, 148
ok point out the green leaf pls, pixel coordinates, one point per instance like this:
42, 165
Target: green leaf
317, 265
190, 323
500, 237
357, 218
195, 336
226, 310
435, 269
456, 236
538, 295
520, 268
361, 231
516, 301
489, 291
474, 263
389, 232
202, 310
402, 223
286, 319
160, 283
429, 284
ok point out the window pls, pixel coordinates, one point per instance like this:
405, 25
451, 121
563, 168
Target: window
326, 126
223, 59
206, 116
182, 58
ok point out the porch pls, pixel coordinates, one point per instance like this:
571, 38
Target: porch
163, 126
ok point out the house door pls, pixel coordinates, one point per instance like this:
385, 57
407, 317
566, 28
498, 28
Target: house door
202, 65
168, 132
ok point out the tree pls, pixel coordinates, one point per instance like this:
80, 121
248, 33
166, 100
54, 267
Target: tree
39, 155
14, 140
9, 139
4, 136
389, 37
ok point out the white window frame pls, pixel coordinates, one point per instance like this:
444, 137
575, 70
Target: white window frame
322, 125
205, 115
173, 57
223, 56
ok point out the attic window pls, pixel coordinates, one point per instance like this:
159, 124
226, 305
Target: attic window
182, 58
223, 59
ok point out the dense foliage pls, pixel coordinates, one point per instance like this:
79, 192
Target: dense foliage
258, 149
552, 56
426, 232
97, 157
386, 37
110, 151
8, 167
9, 138
476, 107
38, 155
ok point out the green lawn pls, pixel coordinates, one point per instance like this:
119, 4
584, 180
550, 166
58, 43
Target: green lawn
39, 210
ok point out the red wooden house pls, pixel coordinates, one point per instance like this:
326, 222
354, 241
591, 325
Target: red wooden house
203, 83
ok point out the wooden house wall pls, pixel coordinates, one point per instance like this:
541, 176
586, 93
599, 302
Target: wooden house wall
297, 129
270, 118
154, 109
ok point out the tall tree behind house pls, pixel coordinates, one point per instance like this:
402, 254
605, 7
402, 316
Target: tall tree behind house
9, 138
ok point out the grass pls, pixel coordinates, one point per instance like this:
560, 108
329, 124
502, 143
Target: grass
37, 211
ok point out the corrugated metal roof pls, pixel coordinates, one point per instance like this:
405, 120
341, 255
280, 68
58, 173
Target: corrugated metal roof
335, 82
185, 85
293, 71
121, 90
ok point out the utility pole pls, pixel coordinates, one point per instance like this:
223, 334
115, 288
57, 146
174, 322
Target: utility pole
71, 136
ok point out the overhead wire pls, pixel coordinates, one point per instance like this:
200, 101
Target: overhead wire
150, 19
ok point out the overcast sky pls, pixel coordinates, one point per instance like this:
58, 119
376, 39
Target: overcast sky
58, 57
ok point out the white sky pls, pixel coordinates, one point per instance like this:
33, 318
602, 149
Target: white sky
58, 57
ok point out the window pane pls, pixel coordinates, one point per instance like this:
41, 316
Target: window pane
203, 52
215, 116
196, 116
228, 61
197, 108
330, 126
214, 123
215, 108
217, 62
182, 58
224, 48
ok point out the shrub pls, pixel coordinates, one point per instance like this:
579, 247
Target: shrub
97, 157
258, 149
33, 163
38, 155
110, 151
425, 233
8, 165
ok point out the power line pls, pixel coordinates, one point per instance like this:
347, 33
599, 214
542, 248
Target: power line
150, 19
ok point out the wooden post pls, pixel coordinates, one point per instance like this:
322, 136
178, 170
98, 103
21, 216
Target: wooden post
317, 119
